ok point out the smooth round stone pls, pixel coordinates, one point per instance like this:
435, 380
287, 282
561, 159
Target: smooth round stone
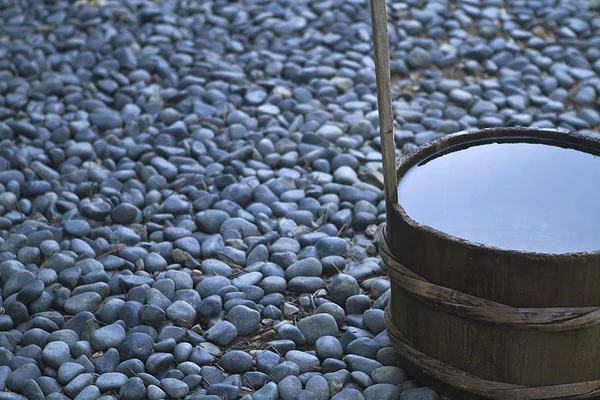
31, 292
315, 326
389, 374
107, 337
306, 362
78, 384
363, 346
267, 360
133, 389
223, 391
418, 58
136, 345
216, 267
181, 313
291, 332
158, 362
15, 380
111, 381
155, 393
375, 320
6, 323
245, 320
329, 347
90, 392
222, 333
174, 387
280, 371
334, 310
383, 391
271, 312
342, 286
348, 394
357, 304
210, 307
236, 362
152, 315
289, 387
56, 354
362, 379
68, 371
154, 262
306, 267
461, 96
319, 386
211, 285
332, 246
304, 284
77, 228
360, 363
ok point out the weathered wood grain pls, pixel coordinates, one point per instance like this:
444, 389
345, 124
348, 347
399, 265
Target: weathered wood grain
381, 49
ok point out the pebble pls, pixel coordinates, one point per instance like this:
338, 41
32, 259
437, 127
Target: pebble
360, 363
56, 354
306, 362
319, 386
245, 320
375, 320
329, 347
111, 381
389, 374
280, 371
222, 333
342, 287
19, 375
137, 346
348, 394
316, 326
174, 387
383, 391
289, 387
107, 337
133, 389
181, 313
68, 371
236, 362
334, 310
268, 392
292, 333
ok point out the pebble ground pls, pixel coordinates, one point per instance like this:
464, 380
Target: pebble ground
189, 190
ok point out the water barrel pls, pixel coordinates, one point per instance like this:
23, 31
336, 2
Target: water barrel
493, 257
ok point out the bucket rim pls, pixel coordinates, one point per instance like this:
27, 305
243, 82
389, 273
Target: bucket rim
466, 138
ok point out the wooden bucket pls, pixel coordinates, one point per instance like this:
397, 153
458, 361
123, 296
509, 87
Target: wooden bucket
483, 322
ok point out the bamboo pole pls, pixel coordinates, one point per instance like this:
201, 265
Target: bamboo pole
384, 99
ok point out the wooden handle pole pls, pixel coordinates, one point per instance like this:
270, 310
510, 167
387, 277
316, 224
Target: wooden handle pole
384, 99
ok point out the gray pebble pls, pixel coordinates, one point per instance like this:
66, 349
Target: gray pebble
174, 387
111, 381
289, 387
316, 326
222, 333
329, 347
384, 391
245, 320
236, 362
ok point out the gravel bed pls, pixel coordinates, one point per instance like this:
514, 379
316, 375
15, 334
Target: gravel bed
190, 190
